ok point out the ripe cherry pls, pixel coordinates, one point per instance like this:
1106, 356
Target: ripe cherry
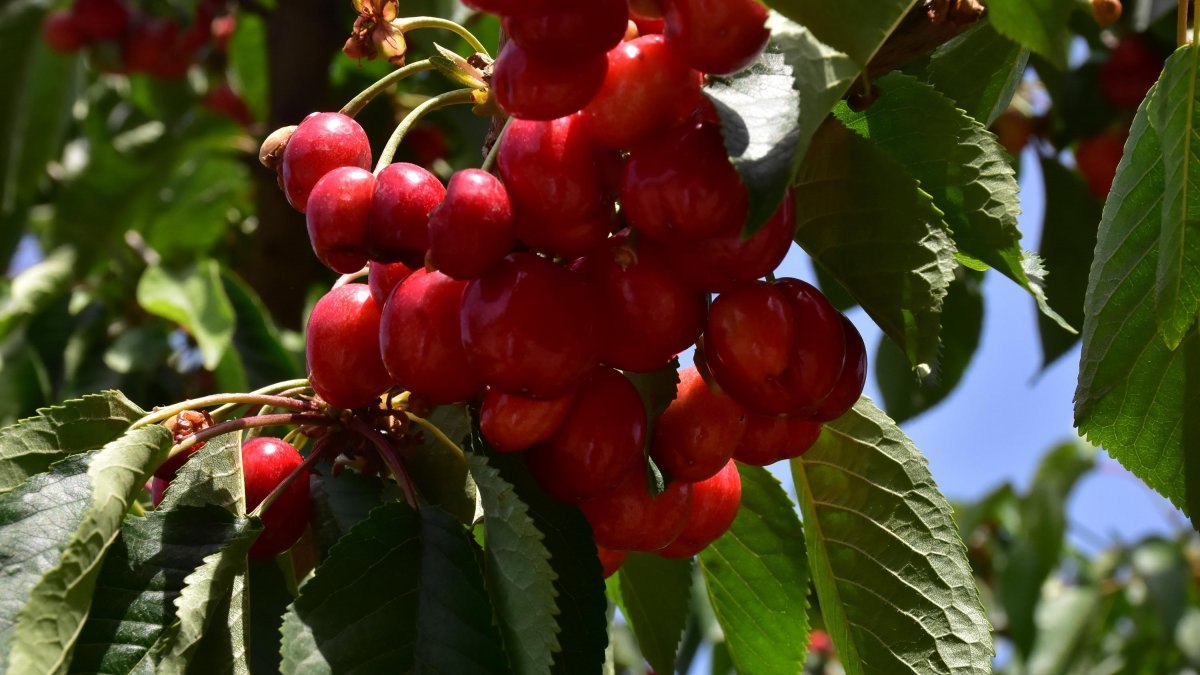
512, 423
569, 31
769, 439
506, 7
320, 144
552, 171
1130, 71
1097, 158
610, 560
719, 37
266, 462
854, 376
62, 33
101, 19
344, 363
158, 490
697, 433
421, 341
535, 89
712, 509
627, 518
383, 277
149, 46
398, 230
338, 210
718, 263
472, 229
224, 101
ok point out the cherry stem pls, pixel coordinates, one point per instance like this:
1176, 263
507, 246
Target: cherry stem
384, 83
1181, 23
389, 457
228, 399
285, 388
494, 151
456, 97
312, 458
415, 22
354, 276
215, 430
435, 432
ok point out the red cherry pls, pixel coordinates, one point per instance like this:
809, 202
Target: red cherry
320, 144
697, 433
530, 327
421, 341
222, 29
854, 376
398, 230
681, 186
266, 462
344, 362
506, 7
168, 469
610, 560
62, 32
224, 101
647, 88
534, 89
101, 19
472, 229
427, 144
627, 518
598, 445
338, 209
770, 439
1097, 158
148, 45
512, 423
1131, 69
569, 31
383, 277
718, 263
719, 37
158, 490
711, 511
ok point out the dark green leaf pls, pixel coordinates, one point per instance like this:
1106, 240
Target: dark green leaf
979, 70
656, 593
1040, 25
855, 27
248, 63
196, 300
439, 471
35, 288
854, 203
212, 475
341, 503
24, 382
256, 337
891, 572
757, 578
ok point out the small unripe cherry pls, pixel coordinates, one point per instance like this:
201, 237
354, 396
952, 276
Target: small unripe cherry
342, 345
535, 89
711, 510
61, 32
337, 214
398, 229
769, 439
472, 229
266, 462
512, 423
320, 144
697, 433
719, 37
627, 518
383, 277
610, 561
854, 376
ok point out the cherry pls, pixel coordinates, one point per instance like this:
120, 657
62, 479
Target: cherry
427, 144
681, 186
569, 31
598, 444
421, 341
101, 19
224, 101
338, 210
647, 88
1013, 129
62, 32
344, 362
508, 7
627, 518
512, 423
383, 277
535, 89
472, 229
158, 490
266, 462
775, 348
854, 376
1131, 69
530, 327
647, 26
770, 439
719, 37
697, 433
711, 511
718, 263
398, 229
148, 46
1097, 158
320, 144
610, 560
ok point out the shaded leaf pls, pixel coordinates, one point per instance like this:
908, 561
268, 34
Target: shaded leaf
270, 595
196, 300
33, 289
1040, 25
655, 597
212, 475
248, 63
855, 27
256, 337
441, 472
979, 70
338, 504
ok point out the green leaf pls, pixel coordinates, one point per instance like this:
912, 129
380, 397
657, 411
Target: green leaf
979, 70
1133, 397
339, 503
80, 506
1040, 25
1066, 622
212, 475
409, 588
1068, 239
194, 299
856, 27
758, 108
271, 593
35, 288
77, 426
1166, 574
854, 203
142, 576
1176, 118
891, 572
248, 63
656, 594
757, 578
256, 337
962, 166
439, 472
24, 380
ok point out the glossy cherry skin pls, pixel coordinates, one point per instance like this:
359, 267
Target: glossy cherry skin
1131, 69
769, 439
513, 423
61, 32
569, 32
338, 210
712, 509
647, 88
1098, 158
610, 560
681, 187
598, 444
101, 19
775, 348
342, 344
535, 89
421, 341
697, 433
530, 327
854, 376
472, 229
719, 263
398, 229
383, 277
266, 462
320, 144
647, 315
627, 518
719, 37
